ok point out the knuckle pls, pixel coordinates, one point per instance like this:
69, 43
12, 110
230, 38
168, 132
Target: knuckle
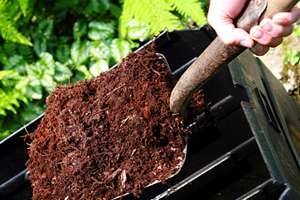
278, 32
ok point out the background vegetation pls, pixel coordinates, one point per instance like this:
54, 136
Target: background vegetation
47, 43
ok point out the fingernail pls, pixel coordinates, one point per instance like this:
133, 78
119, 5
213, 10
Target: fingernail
246, 43
280, 20
257, 33
267, 26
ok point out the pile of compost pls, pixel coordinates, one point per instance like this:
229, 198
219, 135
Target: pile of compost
105, 137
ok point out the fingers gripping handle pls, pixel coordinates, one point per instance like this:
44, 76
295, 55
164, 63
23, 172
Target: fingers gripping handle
217, 53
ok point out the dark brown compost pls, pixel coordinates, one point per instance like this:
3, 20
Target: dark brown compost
108, 136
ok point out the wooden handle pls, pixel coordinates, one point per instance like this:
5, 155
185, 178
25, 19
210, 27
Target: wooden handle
217, 53
276, 6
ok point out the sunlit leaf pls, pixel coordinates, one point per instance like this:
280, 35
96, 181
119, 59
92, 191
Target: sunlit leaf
25, 6
79, 29
4, 134
48, 82
82, 73
34, 89
120, 48
138, 31
98, 67
292, 57
9, 32
100, 30
62, 72
99, 50
79, 52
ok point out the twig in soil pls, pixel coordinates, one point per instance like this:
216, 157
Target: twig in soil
130, 117
108, 94
156, 72
123, 179
96, 180
112, 175
134, 150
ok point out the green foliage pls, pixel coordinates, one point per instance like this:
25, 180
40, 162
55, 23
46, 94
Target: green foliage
296, 31
292, 57
157, 15
71, 41
190, 8
11, 92
25, 6
154, 13
9, 14
100, 30
290, 74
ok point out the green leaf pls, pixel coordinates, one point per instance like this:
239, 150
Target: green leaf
120, 48
45, 28
31, 111
9, 100
190, 8
40, 45
80, 52
62, 72
79, 30
34, 89
296, 31
138, 31
11, 108
82, 73
97, 7
22, 85
4, 134
47, 63
156, 13
9, 32
100, 30
98, 67
62, 52
3, 57
15, 61
35, 70
26, 52
25, 6
115, 10
99, 50
48, 82
7, 74
292, 57
10, 48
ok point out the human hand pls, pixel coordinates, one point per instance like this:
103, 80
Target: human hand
269, 32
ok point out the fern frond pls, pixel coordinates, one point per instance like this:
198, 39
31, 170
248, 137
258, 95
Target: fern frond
10, 95
190, 8
9, 13
25, 6
156, 13
9, 102
9, 32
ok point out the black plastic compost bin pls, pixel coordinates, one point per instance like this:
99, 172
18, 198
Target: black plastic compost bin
246, 145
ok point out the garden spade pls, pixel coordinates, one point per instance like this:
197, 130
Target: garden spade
215, 55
